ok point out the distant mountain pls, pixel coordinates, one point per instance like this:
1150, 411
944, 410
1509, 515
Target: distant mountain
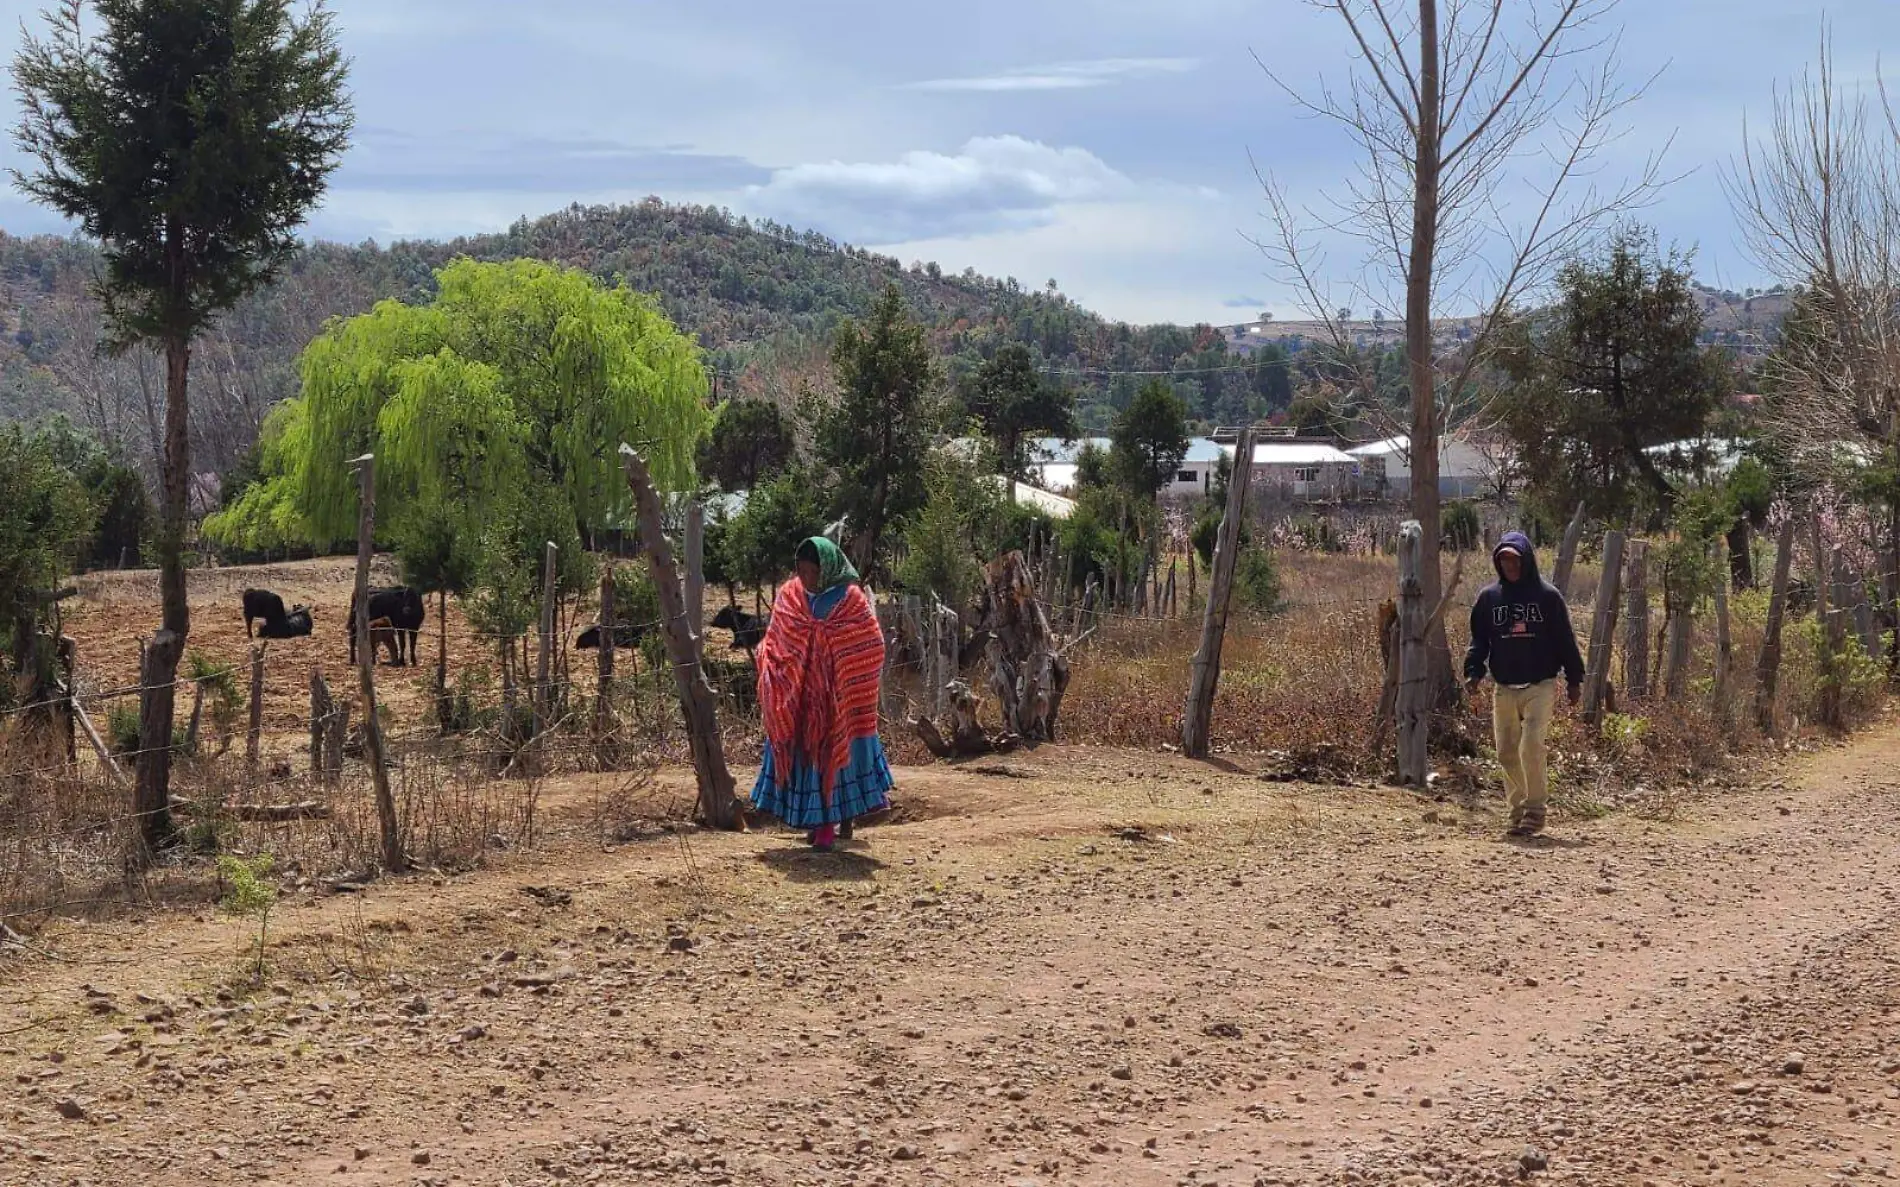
759, 296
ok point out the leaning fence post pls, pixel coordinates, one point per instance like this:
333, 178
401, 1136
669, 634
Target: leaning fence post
543, 691
603, 698
1724, 643
1204, 677
394, 860
716, 799
1567, 552
1603, 629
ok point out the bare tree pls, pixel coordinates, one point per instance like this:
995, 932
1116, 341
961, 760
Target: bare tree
1481, 124
1818, 198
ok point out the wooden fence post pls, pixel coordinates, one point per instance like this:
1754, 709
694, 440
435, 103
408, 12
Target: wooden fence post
1832, 631
1597, 677
716, 799
151, 797
603, 697
543, 690
1204, 676
1567, 552
1680, 605
1636, 624
254, 736
696, 569
394, 860
1414, 702
1724, 643
1768, 666
322, 710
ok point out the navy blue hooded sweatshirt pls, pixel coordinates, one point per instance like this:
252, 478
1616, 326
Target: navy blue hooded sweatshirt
1521, 629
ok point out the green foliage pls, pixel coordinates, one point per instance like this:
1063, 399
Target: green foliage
1751, 490
1614, 369
876, 436
1102, 537
1461, 525
751, 439
1012, 400
189, 139
223, 695
636, 598
122, 728
1689, 567
248, 895
122, 512
45, 517
778, 514
967, 521
1091, 467
1149, 440
1206, 533
1257, 580
466, 707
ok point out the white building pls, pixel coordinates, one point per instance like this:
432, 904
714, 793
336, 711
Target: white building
1465, 469
1054, 459
1303, 469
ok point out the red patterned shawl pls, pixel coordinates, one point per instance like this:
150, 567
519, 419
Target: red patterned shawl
818, 681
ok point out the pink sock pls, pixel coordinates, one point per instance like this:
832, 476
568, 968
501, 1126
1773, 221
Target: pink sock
825, 836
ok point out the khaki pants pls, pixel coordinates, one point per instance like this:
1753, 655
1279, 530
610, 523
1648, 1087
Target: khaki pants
1521, 718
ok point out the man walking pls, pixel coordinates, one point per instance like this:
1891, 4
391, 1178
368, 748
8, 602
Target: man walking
1520, 629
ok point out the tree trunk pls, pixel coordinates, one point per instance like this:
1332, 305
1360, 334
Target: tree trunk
1419, 359
717, 802
1027, 674
1768, 667
160, 666
1636, 625
394, 860
1567, 552
1204, 677
1597, 673
151, 797
1681, 642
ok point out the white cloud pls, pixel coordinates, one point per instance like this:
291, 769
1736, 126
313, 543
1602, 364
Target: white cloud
993, 183
1062, 76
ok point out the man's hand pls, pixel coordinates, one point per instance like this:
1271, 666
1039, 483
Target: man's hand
1575, 694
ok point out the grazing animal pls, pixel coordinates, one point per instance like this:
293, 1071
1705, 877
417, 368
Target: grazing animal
386, 637
294, 625
261, 603
748, 630
627, 636
403, 607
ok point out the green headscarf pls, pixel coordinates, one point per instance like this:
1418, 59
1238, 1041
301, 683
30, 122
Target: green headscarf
834, 568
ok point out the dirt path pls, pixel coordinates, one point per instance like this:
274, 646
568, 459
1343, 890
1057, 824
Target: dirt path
1074, 967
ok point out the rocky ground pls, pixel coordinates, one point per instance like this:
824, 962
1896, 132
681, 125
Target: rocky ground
1076, 966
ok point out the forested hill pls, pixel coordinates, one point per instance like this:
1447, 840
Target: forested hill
761, 297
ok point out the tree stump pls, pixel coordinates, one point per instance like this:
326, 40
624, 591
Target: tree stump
1028, 674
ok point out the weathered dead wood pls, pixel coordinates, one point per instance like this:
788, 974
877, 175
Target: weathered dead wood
1204, 676
1028, 674
1596, 682
395, 861
1768, 665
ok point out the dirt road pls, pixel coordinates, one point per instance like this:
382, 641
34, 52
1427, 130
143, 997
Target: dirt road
1077, 966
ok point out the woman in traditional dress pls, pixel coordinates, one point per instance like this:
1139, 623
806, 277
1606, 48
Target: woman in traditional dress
818, 688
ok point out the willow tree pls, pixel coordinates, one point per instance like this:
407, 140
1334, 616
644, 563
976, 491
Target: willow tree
191, 138
494, 413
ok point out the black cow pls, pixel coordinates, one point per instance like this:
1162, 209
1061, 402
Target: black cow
261, 603
294, 625
748, 630
403, 608
627, 636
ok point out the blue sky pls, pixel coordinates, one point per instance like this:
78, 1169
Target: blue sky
1102, 143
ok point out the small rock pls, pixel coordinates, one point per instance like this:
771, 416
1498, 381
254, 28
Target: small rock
1794, 1065
477, 1031
421, 1158
416, 1006
362, 1153
679, 944
1532, 1160
70, 1109
1742, 1087
904, 1154
1124, 1072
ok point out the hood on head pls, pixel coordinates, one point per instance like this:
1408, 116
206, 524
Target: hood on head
1519, 543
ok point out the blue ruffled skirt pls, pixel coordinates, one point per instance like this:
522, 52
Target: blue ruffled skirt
863, 787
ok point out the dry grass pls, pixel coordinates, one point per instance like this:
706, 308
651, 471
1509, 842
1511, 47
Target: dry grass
1304, 681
